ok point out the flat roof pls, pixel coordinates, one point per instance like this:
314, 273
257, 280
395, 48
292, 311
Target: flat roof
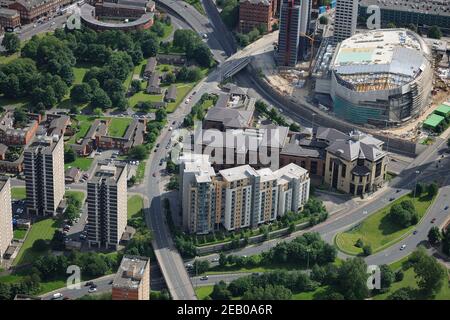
393, 57
433, 120
443, 108
131, 272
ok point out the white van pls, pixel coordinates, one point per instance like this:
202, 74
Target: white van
57, 295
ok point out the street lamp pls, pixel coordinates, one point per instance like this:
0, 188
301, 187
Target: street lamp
415, 184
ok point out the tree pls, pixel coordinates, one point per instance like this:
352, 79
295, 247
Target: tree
434, 32
387, 277
201, 266
367, 250
419, 189
100, 99
220, 292
40, 245
352, 279
138, 152
402, 294
446, 241
294, 127
135, 86
222, 259
323, 20
11, 42
98, 112
434, 235
432, 189
69, 155
81, 93
160, 115
403, 214
429, 272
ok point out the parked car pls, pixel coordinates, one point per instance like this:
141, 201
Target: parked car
433, 220
204, 278
92, 290
403, 247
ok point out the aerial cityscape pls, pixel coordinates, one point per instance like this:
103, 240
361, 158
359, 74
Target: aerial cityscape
224, 150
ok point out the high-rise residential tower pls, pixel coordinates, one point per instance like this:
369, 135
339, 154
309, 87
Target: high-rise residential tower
289, 36
6, 229
305, 19
107, 205
44, 175
345, 19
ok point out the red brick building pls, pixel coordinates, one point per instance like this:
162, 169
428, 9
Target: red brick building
9, 19
31, 10
253, 13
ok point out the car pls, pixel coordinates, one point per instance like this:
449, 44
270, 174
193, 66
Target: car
397, 191
161, 162
205, 36
92, 290
433, 220
415, 232
34, 25
154, 174
89, 283
403, 247
83, 237
53, 23
57, 295
215, 260
193, 93
168, 146
391, 199
189, 266
174, 122
446, 207
170, 129
204, 278
157, 145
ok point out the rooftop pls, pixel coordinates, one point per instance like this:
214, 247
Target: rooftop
381, 59
108, 173
238, 173
43, 144
3, 181
433, 120
131, 272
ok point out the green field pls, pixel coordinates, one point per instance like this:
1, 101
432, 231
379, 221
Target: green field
81, 163
377, 230
84, 127
18, 193
182, 91
135, 205
203, 292
140, 171
141, 96
77, 194
19, 234
118, 126
409, 280
43, 229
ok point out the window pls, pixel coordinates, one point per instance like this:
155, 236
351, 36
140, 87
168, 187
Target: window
344, 170
378, 168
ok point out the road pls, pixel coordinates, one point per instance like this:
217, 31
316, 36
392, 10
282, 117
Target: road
218, 41
426, 165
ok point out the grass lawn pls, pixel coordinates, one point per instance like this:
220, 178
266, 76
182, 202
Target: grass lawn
84, 127
135, 205
118, 126
203, 291
182, 91
19, 234
141, 96
43, 229
81, 163
197, 5
140, 171
77, 194
409, 280
18, 193
377, 230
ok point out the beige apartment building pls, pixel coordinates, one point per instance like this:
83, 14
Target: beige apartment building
6, 229
132, 280
356, 166
238, 197
44, 175
107, 205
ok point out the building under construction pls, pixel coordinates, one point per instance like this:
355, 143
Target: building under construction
377, 77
